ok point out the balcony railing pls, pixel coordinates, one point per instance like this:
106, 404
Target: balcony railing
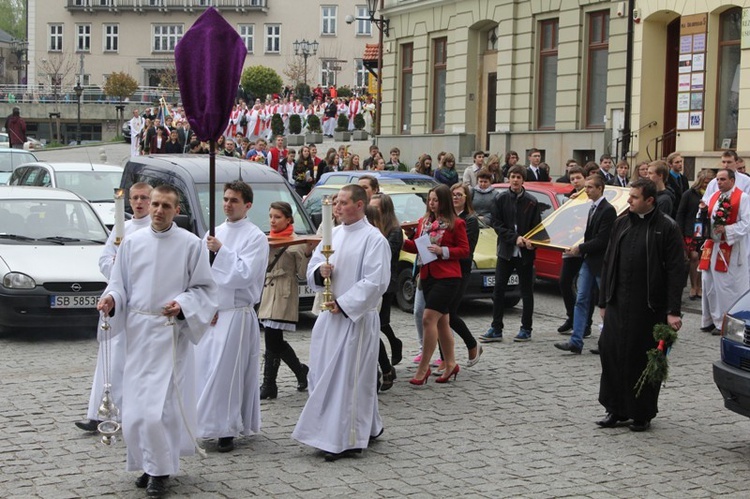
65, 94
165, 5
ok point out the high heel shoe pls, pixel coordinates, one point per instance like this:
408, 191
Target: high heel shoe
423, 381
445, 379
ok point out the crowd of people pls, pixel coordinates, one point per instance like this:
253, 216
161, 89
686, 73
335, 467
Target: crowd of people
210, 386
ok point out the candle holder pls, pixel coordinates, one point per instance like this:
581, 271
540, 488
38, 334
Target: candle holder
327, 293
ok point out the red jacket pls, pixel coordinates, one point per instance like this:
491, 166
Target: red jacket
458, 247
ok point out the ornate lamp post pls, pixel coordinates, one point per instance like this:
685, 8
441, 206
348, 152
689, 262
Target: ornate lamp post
78, 90
305, 49
383, 26
19, 48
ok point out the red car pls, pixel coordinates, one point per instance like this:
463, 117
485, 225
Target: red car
550, 195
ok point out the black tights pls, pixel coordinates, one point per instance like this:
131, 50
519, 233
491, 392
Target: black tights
275, 342
387, 330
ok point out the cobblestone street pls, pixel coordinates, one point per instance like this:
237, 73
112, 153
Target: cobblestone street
518, 424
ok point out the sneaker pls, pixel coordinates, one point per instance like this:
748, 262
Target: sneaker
418, 358
491, 335
436, 363
523, 335
567, 326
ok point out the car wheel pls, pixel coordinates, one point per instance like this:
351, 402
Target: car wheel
405, 290
511, 302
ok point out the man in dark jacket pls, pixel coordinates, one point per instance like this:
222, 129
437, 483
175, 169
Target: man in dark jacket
514, 213
642, 280
15, 126
533, 171
595, 239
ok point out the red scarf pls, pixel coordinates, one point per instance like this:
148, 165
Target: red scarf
288, 232
725, 250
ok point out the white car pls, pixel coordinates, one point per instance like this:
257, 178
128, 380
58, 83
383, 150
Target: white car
10, 159
94, 182
50, 243
4, 140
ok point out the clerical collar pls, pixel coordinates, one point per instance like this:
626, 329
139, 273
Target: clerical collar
162, 231
645, 215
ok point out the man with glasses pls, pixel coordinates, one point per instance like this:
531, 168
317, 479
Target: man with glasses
534, 173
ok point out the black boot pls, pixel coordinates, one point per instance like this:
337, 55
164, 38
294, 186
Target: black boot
299, 369
269, 390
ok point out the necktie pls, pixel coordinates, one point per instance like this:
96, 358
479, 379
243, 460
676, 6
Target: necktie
591, 212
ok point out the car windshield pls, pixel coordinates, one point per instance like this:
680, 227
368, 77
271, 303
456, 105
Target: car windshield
91, 185
409, 207
263, 196
4, 176
11, 158
60, 220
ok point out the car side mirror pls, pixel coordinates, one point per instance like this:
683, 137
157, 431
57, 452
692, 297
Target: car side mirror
183, 222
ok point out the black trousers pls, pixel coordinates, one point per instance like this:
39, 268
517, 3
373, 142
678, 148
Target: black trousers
525, 272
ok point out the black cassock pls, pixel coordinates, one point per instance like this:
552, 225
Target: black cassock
628, 331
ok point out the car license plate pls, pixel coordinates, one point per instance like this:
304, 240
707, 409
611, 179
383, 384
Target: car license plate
489, 280
73, 301
305, 291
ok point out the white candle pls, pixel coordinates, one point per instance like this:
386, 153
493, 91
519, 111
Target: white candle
327, 221
119, 214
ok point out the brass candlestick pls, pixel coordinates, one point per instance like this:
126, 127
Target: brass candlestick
327, 294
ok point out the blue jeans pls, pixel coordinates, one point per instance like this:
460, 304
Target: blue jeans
587, 284
418, 313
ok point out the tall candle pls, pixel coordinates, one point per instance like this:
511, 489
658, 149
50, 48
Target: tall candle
119, 215
327, 221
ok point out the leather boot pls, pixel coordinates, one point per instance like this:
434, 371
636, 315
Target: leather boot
299, 369
269, 390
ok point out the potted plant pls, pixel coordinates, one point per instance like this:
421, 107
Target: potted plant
359, 125
341, 132
295, 137
277, 125
315, 133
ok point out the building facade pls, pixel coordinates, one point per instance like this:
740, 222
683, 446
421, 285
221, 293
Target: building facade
95, 38
500, 75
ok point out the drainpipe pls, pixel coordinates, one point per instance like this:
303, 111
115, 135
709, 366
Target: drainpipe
628, 83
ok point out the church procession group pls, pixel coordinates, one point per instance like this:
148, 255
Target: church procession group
184, 356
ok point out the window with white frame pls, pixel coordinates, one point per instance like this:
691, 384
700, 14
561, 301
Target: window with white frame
364, 26
83, 38
111, 37
55, 38
273, 38
166, 37
361, 78
328, 19
247, 33
327, 72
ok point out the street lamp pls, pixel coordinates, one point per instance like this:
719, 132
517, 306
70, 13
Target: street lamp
79, 90
19, 48
305, 49
384, 26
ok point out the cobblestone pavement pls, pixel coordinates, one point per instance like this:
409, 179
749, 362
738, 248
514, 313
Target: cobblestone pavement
518, 424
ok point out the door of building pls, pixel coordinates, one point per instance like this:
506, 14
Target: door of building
669, 130
491, 107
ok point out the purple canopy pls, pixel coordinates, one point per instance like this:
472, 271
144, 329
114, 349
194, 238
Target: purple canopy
209, 60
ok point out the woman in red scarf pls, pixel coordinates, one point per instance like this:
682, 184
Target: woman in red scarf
279, 304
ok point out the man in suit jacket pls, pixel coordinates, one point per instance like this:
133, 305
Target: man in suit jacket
605, 165
533, 172
676, 180
601, 217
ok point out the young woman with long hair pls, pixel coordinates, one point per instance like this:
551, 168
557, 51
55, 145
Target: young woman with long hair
447, 173
440, 277
385, 220
303, 172
279, 304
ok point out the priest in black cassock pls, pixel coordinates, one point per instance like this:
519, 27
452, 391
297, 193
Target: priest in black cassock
642, 280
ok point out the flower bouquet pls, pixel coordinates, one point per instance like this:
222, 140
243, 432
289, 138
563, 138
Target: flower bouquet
657, 367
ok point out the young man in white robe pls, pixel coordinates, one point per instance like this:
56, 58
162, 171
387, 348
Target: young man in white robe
140, 195
161, 287
227, 359
341, 414
723, 284
136, 127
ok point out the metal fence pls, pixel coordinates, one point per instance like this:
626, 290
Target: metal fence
91, 94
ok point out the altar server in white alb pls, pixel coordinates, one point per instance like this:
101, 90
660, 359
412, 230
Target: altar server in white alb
162, 287
724, 258
137, 122
140, 195
228, 357
341, 413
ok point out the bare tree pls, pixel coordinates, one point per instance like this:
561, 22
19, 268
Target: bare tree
295, 69
60, 70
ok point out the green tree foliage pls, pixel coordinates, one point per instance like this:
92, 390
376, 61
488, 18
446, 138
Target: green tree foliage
344, 91
120, 85
13, 18
260, 81
359, 121
342, 124
277, 125
295, 124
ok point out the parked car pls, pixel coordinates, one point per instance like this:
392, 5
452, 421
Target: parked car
189, 174
126, 131
4, 140
563, 221
732, 371
410, 204
32, 144
94, 182
384, 177
11, 158
50, 243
